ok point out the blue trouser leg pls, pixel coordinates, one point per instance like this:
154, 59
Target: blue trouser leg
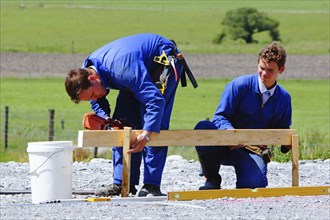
155, 157
209, 160
250, 168
117, 157
154, 163
129, 108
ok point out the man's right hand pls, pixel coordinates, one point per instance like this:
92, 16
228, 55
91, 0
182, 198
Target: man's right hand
236, 147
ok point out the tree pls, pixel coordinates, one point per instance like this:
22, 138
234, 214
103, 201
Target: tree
244, 22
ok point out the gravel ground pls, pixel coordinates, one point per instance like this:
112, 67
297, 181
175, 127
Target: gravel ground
179, 174
202, 65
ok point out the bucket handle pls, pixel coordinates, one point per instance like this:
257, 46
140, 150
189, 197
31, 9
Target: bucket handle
35, 171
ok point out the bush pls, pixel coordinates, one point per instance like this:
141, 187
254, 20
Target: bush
242, 23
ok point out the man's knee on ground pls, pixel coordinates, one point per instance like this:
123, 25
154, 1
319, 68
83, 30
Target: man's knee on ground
252, 181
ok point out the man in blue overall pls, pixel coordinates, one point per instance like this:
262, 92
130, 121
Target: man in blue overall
146, 71
248, 102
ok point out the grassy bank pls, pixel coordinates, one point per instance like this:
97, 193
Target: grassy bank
30, 99
81, 26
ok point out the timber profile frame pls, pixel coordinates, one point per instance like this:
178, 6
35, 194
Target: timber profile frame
123, 138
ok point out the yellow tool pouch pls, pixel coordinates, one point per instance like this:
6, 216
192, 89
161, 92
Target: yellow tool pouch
160, 78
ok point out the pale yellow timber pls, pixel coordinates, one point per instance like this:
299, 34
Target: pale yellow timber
249, 193
109, 138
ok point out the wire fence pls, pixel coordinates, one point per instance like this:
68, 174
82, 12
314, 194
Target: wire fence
18, 129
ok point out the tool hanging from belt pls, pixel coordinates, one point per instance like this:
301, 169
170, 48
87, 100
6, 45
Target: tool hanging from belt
186, 68
262, 151
169, 62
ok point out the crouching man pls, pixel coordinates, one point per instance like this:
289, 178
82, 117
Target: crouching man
248, 102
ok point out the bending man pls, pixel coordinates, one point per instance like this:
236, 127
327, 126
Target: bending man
145, 70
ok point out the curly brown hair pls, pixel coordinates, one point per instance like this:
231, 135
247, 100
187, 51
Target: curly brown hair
273, 52
76, 81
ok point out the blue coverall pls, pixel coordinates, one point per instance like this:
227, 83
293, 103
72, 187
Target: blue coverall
126, 65
240, 107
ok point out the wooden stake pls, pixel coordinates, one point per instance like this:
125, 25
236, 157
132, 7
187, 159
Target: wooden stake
126, 162
295, 160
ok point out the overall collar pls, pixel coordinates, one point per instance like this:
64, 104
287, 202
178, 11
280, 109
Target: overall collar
262, 87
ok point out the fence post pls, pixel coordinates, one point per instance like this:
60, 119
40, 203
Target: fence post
51, 125
95, 152
6, 126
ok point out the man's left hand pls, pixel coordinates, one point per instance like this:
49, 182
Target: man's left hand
139, 142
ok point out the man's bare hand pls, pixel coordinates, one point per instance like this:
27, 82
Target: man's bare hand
139, 142
236, 147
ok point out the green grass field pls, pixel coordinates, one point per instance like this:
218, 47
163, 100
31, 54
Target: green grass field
81, 26
30, 99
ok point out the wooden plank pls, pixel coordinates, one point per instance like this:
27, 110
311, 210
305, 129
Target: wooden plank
100, 138
222, 137
126, 162
295, 160
248, 193
192, 137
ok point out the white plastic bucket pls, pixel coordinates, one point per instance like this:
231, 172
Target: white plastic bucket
50, 170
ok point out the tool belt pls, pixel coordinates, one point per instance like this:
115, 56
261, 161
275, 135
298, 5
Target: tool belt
167, 66
262, 151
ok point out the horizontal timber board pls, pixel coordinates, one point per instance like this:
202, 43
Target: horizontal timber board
109, 138
100, 138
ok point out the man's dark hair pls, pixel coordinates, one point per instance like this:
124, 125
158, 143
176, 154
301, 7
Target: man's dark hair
75, 82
